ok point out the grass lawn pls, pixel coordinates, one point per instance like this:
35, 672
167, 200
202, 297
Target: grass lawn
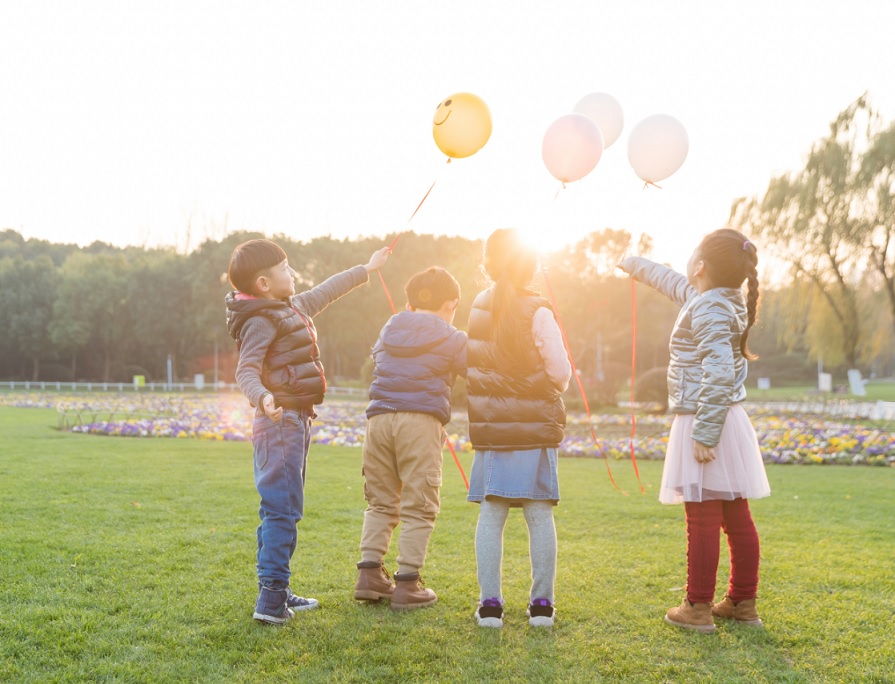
128, 560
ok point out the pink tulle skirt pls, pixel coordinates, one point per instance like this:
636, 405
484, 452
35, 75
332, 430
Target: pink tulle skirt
736, 473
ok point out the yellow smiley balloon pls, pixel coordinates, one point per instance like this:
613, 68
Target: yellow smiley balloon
461, 125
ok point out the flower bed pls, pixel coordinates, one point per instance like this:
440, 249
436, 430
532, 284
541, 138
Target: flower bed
785, 438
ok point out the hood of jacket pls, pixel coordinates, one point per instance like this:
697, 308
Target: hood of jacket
410, 333
241, 307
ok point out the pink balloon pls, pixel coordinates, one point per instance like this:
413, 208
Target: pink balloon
605, 111
657, 147
573, 144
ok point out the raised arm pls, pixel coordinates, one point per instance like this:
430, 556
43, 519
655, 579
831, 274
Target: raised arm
315, 300
667, 281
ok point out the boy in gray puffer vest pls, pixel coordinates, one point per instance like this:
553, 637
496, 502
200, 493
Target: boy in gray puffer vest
280, 373
416, 360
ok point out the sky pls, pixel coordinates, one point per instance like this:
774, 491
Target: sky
168, 123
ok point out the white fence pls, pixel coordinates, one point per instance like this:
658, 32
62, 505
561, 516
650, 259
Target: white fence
880, 410
151, 387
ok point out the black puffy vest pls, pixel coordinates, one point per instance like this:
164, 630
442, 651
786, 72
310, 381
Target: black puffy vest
513, 410
292, 370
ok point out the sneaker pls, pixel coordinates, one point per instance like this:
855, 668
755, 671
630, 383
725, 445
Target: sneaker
271, 606
540, 613
490, 613
294, 602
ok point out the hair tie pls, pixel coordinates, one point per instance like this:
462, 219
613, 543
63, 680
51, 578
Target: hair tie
745, 244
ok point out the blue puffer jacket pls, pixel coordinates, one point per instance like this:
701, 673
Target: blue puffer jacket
415, 361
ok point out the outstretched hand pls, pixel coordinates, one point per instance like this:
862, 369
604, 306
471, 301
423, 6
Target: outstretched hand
702, 453
624, 265
378, 259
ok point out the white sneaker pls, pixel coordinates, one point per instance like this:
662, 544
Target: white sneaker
541, 613
490, 613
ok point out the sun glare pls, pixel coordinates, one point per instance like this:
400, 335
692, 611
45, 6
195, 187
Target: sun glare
542, 240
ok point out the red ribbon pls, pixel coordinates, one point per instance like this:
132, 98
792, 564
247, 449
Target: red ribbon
395, 242
633, 367
456, 460
565, 342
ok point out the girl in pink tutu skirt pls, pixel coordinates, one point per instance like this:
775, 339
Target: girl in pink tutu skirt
713, 463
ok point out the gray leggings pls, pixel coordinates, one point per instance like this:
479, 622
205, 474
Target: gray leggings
541, 547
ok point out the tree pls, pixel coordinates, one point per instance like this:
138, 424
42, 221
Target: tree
29, 288
877, 182
814, 219
91, 310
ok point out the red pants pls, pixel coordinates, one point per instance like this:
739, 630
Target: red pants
705, 520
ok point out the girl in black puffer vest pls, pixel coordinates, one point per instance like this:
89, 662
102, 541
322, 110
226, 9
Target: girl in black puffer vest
517, 372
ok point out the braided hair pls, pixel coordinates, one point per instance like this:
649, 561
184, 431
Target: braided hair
730, 259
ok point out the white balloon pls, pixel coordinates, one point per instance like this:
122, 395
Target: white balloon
657, 147
605, 111
572, 146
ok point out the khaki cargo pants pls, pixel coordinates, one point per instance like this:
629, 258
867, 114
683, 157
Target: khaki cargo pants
402, 467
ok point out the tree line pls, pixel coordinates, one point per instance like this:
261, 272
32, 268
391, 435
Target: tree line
105, 313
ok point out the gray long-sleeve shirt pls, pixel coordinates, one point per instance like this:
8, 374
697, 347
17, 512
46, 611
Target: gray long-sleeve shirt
258, 332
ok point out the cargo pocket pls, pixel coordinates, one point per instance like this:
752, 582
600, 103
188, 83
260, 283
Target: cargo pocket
431, 493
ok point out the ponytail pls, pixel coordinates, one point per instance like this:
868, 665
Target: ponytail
510, 265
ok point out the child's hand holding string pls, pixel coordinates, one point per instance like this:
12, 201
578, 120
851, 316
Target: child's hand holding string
378, 259
703, 453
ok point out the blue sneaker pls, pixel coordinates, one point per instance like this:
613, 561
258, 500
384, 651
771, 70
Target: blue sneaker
271, 606
294, 602
490, 613
540, 613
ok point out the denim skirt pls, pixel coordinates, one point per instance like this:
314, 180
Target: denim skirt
516, 476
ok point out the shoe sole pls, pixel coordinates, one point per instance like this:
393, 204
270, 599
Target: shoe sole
746, 623
370, 595
308, 607
540, 621
270, 620
411, 606
704, 629
492, 622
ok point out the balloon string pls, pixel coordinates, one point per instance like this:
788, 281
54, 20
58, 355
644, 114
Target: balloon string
633, 367
391, 247
387, 293
565, 342
647, 184
456, 460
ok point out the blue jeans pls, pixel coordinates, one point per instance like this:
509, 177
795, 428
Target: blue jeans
281, 452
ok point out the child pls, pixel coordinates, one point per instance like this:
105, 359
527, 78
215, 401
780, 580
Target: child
280, 373
713, 463
416, 359
518, 370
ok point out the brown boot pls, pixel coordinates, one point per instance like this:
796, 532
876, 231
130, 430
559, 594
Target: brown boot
373, 582
409, 594
688, 615
743, 612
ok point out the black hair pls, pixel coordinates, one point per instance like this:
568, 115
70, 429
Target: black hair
249, 259
431, 288
511, 265
730, 258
